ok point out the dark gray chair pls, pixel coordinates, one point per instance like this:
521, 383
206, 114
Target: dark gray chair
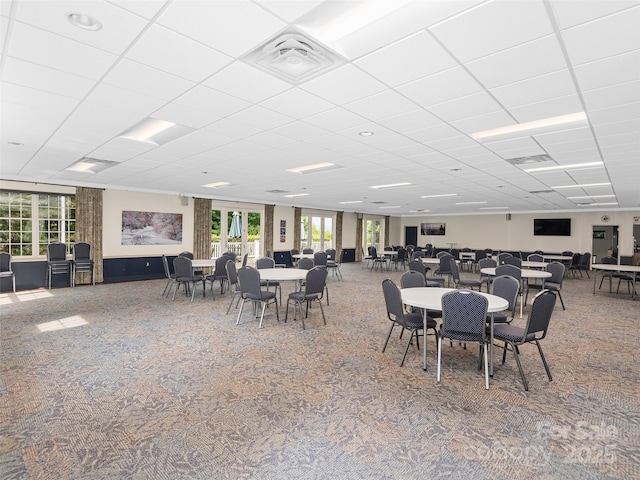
219, 273
268, 262
484, 278
57, 263
464, 315
624, 276
515, 261
5, 269
171, 278
534, 257
418, 266
445, 266
460, 282
249, 279
413, 279
534, 331
186, 277
502, 256
334, 267
507, 287
400, 318
314, 284
234, 283
585, 264
307, 250
608, 273
320, 259
554, 283
82, 261
377, 260
305, 263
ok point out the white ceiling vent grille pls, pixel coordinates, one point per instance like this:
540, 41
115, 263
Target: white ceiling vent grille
293, 57
530, 159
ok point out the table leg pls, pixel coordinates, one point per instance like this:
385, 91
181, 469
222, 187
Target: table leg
491, 348
595, 274
424, 339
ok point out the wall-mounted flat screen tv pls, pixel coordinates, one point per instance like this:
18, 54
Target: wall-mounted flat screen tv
558, 227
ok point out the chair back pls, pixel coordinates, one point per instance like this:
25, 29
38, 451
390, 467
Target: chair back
402, 254
609, 261
480, 254
307, 250
245, 257
232, 273
487, 263
249, 279
556, 269
417, 266
232, 255
5, 262
453, 269
534, 257
512, 270
464, 315
625, 259
540, 314
305, 263
189, 255
412, 279
585, 261
315, 281
502, 256
515, 261
294, 251
575, 261
442, 253
417, 254
393, 301
182, 267
165, 264
331, 254
320, 259
455, 253
445, 264
81, 251
373, 253
56, 251
220, 266
507, 287
265, 262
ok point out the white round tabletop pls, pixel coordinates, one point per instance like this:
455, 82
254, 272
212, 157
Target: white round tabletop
526, 273
298, 256
431, 298
282, 274
204, 262
433, 261
528, 264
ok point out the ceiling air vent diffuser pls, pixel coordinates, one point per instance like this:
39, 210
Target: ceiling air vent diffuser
530, 159
293, 57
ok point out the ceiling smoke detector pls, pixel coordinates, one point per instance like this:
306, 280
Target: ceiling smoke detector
293, 57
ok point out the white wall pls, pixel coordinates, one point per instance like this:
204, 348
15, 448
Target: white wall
349, 225
286, 214
495, 231
115, 201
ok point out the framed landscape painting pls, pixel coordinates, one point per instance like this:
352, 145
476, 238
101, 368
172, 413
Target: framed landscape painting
432, 228
151, 228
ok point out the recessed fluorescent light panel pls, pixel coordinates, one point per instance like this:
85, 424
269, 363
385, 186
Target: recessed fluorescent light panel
391, 185
297, 195
600, 204
389, 206
352, 201
156, 132
363, 14
581, 197
584, 185
534, 125
90, 165
470, 203
493, 208
216, 184
440, 196
565, 167
316, 167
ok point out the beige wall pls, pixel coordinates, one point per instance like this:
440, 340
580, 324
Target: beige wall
286, 214
349, 222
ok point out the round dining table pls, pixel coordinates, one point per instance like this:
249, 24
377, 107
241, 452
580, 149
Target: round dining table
282, 274
430, 298
525, 273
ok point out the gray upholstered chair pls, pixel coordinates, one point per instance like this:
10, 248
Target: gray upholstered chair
314, 284
460, 282
171, 278
219, 273
268, 262
234, 284
484, 278
464, 315
83, 261
251, 290
534, 331
57, 263
515, 261
186, 277
396, 313
507, 287
5, 269
554, 283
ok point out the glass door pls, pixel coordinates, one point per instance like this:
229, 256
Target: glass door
372, 229
316, 232
236, 230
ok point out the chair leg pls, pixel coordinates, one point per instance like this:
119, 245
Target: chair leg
384, 347
322, 311
517, 356
240, 312
561, 301
413, 332
544, 361
439, 357
486, 367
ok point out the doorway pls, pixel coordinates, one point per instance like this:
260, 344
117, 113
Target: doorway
605, 241
411, 236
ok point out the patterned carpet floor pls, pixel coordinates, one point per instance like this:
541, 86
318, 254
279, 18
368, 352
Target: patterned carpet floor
116, 381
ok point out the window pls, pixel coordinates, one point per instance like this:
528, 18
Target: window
316, 232
30, 221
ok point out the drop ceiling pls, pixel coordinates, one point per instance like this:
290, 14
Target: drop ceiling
422, 79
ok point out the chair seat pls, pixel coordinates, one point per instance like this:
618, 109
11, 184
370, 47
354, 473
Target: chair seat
193, 278
470, 283
511, 333
460, 336
498, 317
415, 320
264, 295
